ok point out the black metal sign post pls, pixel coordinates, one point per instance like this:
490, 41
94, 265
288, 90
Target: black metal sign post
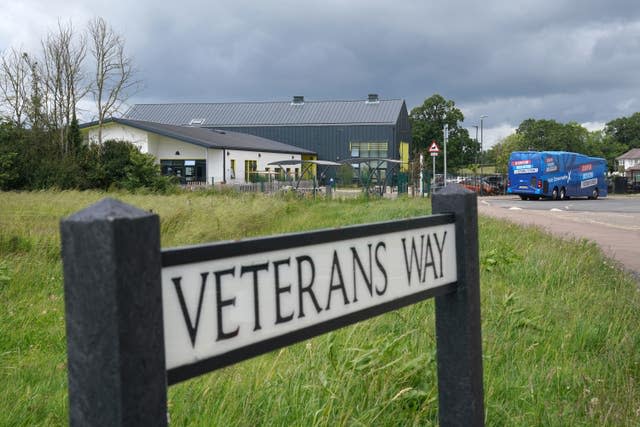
139, 319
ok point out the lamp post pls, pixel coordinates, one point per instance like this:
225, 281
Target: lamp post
445, 134
482, 117
477, 151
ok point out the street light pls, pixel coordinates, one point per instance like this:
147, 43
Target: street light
482, 117
477, 151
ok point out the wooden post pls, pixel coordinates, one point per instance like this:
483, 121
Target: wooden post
458, 336
113, 303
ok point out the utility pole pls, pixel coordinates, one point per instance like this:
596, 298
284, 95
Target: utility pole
421, 175
477, 151
481, 148
445, 132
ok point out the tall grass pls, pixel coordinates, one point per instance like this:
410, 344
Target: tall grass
560, 325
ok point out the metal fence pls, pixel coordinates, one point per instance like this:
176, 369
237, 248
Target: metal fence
272, 186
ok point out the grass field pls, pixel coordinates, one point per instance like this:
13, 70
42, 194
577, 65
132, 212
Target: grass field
561, 334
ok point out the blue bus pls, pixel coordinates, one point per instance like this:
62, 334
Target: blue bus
556, 175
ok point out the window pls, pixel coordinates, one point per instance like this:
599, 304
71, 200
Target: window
233, 169
250, 167
185, 170
369, 149
279, 173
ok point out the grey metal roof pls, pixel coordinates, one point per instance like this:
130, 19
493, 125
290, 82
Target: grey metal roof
271, 113
211, 138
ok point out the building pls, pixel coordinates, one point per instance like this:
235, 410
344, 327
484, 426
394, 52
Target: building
201, 155
335, 130
629, 163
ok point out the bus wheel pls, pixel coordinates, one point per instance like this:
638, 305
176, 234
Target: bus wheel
594, 194
563, 194
523, 197
554, 193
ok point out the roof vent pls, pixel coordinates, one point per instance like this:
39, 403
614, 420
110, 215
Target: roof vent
373, 99
298, 100
196, 122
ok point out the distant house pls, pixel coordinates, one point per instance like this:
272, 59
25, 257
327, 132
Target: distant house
335, 130
202, 155
629, 162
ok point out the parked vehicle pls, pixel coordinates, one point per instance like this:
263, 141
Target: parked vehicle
497, 182
556, 175
477, 185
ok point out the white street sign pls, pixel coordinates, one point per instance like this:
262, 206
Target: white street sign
233, 300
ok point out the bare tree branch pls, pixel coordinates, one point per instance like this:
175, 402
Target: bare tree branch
14, 85
63, 56
114, 79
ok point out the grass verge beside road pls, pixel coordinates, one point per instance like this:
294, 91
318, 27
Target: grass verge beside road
560, 326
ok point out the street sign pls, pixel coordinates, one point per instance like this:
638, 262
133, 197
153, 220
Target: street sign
225, 302
140, 318
434, 149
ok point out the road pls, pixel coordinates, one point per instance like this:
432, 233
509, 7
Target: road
613, 223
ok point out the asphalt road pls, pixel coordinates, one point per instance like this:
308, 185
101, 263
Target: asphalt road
618, 204
612, 222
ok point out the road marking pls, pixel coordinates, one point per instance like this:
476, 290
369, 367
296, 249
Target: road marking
515, 208
556, 210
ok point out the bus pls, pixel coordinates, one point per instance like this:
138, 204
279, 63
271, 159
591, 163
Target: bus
556, 175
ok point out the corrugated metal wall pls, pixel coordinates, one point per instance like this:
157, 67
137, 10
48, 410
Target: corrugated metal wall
403, 129
330, 142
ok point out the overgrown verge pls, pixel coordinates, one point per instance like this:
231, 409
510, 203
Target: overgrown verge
559, 326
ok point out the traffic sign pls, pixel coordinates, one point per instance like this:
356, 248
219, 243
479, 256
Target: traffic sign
434, 148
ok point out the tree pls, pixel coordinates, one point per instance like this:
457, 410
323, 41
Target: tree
74, 137
114, 76
549, 135
9, 155
63, 56
601, 144
14, 85
427, 123
36, 109
625, 131
503, 149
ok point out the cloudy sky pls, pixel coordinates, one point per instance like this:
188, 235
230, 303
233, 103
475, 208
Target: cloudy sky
510, 60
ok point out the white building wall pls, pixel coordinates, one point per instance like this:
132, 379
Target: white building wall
218, 166
164, 148
262, 159
168, 148
630, 162
625, 164
118, 132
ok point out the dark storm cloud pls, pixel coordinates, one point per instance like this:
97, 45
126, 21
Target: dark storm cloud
566, 60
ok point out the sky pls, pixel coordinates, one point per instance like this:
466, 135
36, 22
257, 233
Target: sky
509, 60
